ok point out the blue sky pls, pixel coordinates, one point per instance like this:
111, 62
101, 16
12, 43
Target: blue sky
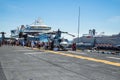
102, 15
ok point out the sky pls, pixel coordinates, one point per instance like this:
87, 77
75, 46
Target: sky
102, 15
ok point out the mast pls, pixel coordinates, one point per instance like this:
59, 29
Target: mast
78, 23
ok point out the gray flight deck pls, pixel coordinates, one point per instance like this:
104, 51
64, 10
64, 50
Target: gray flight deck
21, 63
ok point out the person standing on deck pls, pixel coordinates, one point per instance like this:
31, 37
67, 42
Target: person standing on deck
32, 44
23, 43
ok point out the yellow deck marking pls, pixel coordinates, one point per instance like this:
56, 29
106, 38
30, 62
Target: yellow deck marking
87, 58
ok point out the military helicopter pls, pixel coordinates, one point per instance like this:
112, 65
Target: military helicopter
56, 41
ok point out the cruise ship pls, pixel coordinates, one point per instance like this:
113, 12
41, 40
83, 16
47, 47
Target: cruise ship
36, 28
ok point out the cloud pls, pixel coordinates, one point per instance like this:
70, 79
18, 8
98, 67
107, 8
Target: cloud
114, 19
13, 7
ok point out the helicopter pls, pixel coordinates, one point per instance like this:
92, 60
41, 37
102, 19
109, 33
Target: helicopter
56, 41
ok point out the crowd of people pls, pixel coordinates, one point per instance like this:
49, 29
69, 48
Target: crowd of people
34, 44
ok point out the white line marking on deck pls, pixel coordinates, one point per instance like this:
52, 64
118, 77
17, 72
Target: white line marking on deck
114, 58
